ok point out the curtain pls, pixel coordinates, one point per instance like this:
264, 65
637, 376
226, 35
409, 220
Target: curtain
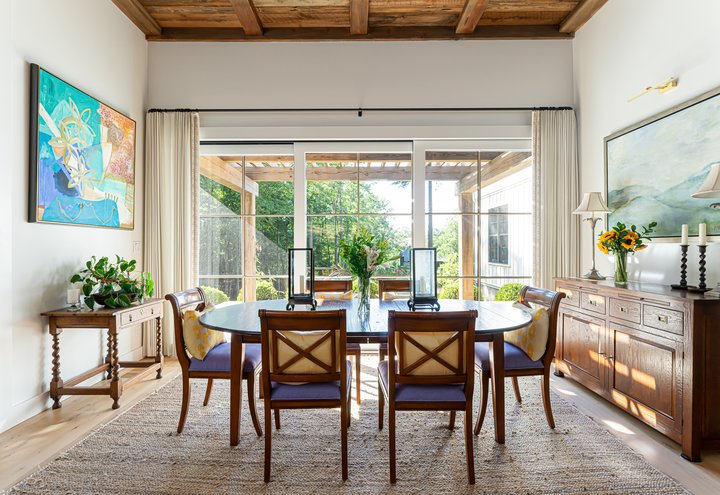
172, 163
555, 155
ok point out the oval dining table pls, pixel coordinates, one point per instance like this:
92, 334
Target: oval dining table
241, 320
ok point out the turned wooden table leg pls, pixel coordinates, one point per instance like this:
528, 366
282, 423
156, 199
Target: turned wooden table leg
56, 383
158, 346
115, 383
237, 361
108, 358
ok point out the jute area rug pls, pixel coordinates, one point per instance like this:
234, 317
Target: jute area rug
140, 453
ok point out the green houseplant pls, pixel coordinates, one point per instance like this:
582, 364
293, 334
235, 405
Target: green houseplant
620, 241
112, 284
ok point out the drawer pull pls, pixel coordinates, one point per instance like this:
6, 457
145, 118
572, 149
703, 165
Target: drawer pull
662, 318
623, 309
130, 318
592, 302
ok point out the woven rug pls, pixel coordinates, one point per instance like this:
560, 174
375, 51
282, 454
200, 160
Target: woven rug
140, 453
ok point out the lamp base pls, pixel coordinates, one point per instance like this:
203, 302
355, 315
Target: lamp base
593, 275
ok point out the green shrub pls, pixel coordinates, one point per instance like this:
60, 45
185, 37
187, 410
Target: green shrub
265, 290
240, 296
449, 289
214, 296
509, 292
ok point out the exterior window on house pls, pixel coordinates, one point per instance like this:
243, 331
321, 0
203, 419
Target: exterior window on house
498, 235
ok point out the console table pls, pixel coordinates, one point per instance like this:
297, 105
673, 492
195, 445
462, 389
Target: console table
114, 320
650, 350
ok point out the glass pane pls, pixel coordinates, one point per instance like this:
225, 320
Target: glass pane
385, 183
455, 237
332, 186
451, 181
397, 230
509, 186
267, 241
269, 182
502, 289
323, 235
218, 199
265, 289
220, 290
424, 265
299, 272
510, 251
220, 246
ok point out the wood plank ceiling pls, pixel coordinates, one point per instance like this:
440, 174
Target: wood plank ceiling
327, 20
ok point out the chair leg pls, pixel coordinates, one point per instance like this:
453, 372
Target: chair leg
546, 399
208, 389
251, 404
381, 405
348, 409
185, 402
469, 454
357, 378
485, 381
277, 419
344, 408
451, 425
516, 388
391, 437
268, 440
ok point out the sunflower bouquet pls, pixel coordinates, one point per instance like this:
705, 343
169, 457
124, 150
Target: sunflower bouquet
620, 241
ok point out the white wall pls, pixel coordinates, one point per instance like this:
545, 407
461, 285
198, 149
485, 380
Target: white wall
94, 46
625, 47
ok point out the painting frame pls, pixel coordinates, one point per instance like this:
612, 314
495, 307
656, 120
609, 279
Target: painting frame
35, 154
674, 110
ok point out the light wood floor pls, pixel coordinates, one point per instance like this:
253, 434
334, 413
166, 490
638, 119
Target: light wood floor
40, 439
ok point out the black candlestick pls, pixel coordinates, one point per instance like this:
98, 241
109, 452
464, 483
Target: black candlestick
701, 287
683, 269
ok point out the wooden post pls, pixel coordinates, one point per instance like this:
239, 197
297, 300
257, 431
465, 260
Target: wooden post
249, 247
467, 247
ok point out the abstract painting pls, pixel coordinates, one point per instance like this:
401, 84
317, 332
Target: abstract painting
654, 167
82, 157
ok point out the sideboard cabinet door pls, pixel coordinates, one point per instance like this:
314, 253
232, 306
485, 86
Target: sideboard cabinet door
582, 349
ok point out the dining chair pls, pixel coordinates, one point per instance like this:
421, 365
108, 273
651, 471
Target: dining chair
304, 366
517, 362
429, 369
216, 364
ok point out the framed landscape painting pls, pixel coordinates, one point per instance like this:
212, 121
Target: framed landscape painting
82, 157
654, 167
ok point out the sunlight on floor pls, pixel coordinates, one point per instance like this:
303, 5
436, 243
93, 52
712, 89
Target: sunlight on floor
618, 427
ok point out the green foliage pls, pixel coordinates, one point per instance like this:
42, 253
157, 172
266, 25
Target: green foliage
214, 296
365, 252
112, 284
509, 292
449, 289
265, 290
621, 239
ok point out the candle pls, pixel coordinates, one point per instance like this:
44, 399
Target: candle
73, 297
702, 238
684, 241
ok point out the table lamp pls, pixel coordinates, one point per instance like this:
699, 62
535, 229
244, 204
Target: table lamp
592, 203
711, 187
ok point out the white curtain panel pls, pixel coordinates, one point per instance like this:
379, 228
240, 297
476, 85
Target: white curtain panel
172, 163
555, 155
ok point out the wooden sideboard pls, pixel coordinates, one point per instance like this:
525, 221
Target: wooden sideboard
650, 350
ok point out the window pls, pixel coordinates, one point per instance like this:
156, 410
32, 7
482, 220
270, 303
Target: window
498, 235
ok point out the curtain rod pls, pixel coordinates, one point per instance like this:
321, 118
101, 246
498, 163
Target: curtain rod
359, 110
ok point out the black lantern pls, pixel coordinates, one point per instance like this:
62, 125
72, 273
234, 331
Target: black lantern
424, 279
301, 278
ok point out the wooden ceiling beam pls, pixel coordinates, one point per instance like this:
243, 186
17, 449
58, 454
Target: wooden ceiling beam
375, 34
471, 14
582, 13
136, 12
502, 166
248, 17
359, 16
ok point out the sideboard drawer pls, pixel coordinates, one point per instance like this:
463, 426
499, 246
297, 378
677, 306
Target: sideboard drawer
625, 310
572, 296
593, 302
665, 319
140, 314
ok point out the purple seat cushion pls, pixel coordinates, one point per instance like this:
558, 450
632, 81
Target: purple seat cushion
218, 359
515, 358
407, 392
309, 391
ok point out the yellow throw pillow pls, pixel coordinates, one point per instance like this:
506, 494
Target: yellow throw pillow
391, 296
533, 338
198, 339
334, 296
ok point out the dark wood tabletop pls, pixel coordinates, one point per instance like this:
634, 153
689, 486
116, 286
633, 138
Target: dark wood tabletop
242, 318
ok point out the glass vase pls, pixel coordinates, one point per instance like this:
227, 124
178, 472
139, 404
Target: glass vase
621, 276
364, 301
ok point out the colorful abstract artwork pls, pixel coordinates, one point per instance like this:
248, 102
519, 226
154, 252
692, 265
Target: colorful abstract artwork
654, 167
82, 162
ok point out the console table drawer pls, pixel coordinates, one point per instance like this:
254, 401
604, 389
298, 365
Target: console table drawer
140, 315
572, 296
625, 310
593, 302
665, 319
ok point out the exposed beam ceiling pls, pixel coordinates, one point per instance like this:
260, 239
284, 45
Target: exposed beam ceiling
359, 10
471, 14
502, 166
580, 15
248, 17
136, 12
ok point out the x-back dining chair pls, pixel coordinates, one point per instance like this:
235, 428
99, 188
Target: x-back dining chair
304, 366
517, 362
430, 368
216, 364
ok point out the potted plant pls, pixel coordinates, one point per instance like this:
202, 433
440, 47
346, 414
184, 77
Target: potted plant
622, 240
112, 284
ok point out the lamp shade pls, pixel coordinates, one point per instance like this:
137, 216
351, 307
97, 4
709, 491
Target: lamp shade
711, 187
592, 202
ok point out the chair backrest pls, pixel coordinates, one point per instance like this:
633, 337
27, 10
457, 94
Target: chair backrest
392, 285
550, 300
180, 301
331, 285
431, 348
303, 346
